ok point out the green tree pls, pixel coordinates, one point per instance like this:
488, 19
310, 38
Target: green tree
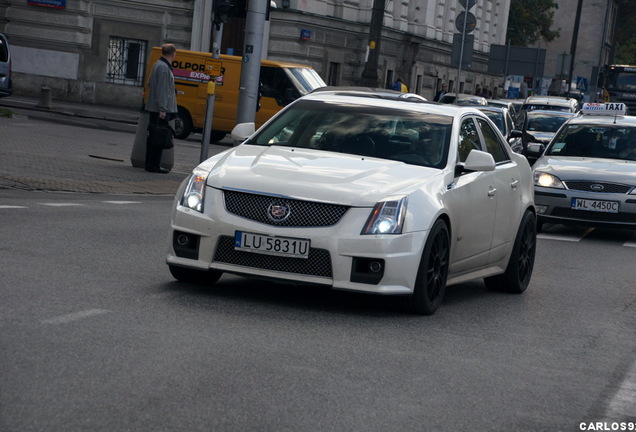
625, 48
531, 20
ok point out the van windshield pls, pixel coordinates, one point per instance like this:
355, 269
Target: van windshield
306, 79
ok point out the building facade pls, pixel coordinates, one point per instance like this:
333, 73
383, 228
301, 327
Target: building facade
95, 51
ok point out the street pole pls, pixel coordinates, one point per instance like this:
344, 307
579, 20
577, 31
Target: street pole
575, 36
370, 72
251, 69
461, 55
209, 110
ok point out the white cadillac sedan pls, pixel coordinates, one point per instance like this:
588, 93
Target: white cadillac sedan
362, 191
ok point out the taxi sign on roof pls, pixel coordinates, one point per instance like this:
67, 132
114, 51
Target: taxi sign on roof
606, 108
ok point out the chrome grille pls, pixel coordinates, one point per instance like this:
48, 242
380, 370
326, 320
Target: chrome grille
587, 186
317, 264
300, 213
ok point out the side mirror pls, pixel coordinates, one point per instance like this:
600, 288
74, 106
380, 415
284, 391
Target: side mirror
242, 131
478, 160
535, 149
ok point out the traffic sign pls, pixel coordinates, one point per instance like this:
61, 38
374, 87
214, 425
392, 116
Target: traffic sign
213, 66
470, 22
467, 4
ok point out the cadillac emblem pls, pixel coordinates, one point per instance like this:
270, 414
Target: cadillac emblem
278, 211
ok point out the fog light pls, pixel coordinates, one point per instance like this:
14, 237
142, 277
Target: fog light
375, 266
183, 240
541, 209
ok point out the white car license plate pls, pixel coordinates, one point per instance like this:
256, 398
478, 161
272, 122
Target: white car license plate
594, 205
271, 245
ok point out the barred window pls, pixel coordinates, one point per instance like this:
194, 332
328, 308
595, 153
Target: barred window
126, 61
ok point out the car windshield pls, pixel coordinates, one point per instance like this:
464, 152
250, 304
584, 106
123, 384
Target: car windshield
545, 122
415, 138
613, 142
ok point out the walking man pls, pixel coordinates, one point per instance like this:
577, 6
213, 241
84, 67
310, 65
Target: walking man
162, 101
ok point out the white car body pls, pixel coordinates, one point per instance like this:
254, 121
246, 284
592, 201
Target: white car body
482, 209
589, 182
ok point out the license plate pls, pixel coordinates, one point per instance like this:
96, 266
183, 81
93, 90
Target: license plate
594, 205
271, 245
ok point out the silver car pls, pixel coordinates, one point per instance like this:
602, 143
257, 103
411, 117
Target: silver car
587, 174
6, 87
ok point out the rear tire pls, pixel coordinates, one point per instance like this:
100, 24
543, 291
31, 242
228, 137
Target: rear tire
430, 283
199, 277
519, 270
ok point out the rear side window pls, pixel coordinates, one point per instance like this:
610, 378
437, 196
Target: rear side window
493, 145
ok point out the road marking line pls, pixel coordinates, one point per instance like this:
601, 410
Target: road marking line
122, 202
623, 404
75, 316
11, 207
62, 204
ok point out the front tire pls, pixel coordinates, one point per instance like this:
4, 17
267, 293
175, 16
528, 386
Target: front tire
519, 270
199, 277
430, 283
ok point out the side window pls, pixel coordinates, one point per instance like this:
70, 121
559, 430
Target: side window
468, 139
275, 84
493, 145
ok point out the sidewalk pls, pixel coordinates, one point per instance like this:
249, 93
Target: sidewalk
82, 148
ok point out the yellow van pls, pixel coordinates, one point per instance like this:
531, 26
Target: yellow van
281, 83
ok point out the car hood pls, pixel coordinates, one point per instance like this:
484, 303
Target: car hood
543, 137
314, 174
585, 168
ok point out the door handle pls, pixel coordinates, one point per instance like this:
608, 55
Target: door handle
492, 191
514, 184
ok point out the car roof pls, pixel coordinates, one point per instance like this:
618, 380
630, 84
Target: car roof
492, 108
370, 97
619, 120
371, 92
550, 100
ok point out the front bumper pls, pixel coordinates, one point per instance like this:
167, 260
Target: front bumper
555, 206
339, 256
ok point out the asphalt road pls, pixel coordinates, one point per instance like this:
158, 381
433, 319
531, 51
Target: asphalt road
95, 335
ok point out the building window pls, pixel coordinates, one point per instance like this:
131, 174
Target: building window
334, 72
126, 61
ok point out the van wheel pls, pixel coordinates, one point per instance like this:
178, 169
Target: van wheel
216, 136
182, 124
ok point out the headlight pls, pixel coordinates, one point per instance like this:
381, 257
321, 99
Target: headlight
195, 190
387, 217
547, 180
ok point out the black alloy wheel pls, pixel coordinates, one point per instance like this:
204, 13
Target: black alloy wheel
430, 284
